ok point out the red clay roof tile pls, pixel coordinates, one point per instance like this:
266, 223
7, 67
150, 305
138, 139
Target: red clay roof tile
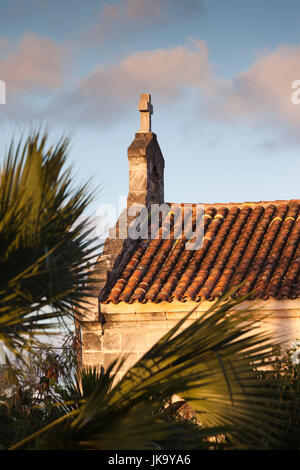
255, 245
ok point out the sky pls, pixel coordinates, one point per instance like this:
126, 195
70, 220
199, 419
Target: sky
220, 74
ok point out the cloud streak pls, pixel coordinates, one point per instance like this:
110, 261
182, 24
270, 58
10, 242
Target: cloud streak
104, 95
34, 64
259, 96
133, 15
264, 90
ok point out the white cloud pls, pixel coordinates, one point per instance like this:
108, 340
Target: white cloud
132, 15
104, 95
34, 64
263, 92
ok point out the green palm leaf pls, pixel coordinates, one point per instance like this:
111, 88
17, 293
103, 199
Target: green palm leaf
212, 363
44, 244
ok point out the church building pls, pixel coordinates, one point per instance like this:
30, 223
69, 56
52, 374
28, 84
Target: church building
144, 285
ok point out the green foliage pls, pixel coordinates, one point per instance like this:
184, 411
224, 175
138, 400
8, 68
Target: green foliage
29, 397
44, 241
212, 364
282, 377
216, 364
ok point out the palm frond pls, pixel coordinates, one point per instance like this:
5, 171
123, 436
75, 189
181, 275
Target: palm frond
212, 364
44, 244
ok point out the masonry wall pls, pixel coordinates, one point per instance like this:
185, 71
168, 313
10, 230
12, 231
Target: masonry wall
133, 334
129, 335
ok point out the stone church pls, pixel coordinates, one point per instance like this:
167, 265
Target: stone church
145, 285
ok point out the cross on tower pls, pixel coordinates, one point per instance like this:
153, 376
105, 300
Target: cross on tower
146, 109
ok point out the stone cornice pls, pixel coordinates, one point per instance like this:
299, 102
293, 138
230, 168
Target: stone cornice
185, 307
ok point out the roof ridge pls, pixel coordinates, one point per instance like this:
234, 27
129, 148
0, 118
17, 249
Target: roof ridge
230, 204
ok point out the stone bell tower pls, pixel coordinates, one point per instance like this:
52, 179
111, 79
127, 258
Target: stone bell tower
146, 187
146, 162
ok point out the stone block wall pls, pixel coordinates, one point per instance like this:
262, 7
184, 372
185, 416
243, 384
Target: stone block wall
132, 334
125, 335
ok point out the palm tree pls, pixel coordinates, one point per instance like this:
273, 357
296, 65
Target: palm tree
214, 363
44, 240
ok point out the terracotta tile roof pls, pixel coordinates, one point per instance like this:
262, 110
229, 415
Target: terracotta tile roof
256, 244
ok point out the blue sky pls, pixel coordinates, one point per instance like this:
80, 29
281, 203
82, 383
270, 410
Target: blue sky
220, 76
